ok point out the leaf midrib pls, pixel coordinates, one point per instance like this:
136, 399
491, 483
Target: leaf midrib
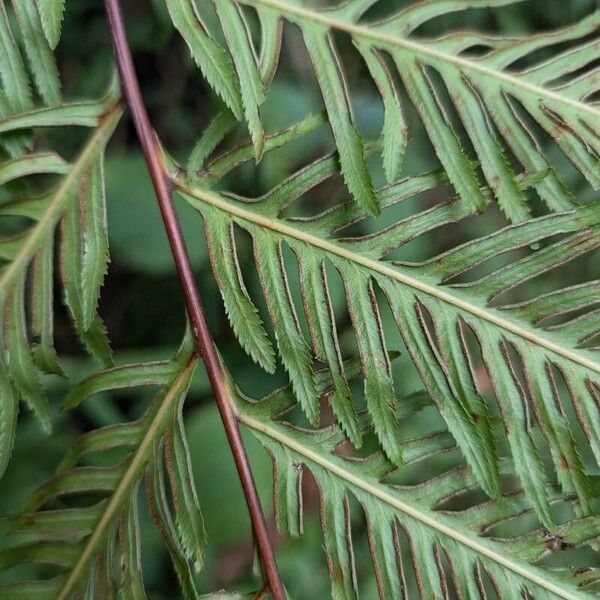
381, 493
386, 39
132, 473
331, 247
58, 200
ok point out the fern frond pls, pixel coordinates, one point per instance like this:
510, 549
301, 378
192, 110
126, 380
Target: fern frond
93, 546
418, 541
505, 109
435, 316
447, 325
494, 102
34, 247
68, 195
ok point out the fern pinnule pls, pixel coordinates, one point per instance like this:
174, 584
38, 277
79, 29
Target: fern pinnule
51, 16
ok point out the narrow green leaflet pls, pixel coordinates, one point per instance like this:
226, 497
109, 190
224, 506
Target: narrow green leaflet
379, 386
293, 349
213, 60
94, 239
131, 584
94, 337
413, 513
32, 164
321, 322
15, 81
271, 27
244, 58
128, 376
42, 310
9, 410
460, 170
335, 95
84, 114
38, 51
21, 368
395, 131
242, 313
188, 517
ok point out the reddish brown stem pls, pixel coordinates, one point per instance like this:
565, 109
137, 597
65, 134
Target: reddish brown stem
204, 342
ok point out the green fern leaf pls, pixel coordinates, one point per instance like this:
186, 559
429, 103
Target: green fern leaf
94, 257
212, 59
188, 516
15, 81
488, 97
395, 132
9, 410
445, 324
349, 143
51, 15
31, 251
38, 51
42, 316
271, 27
242, 314
417, 292
414, 512
237, 36
21, 368
95, 547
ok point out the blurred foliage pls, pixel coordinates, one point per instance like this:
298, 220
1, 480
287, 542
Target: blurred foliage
141, 302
